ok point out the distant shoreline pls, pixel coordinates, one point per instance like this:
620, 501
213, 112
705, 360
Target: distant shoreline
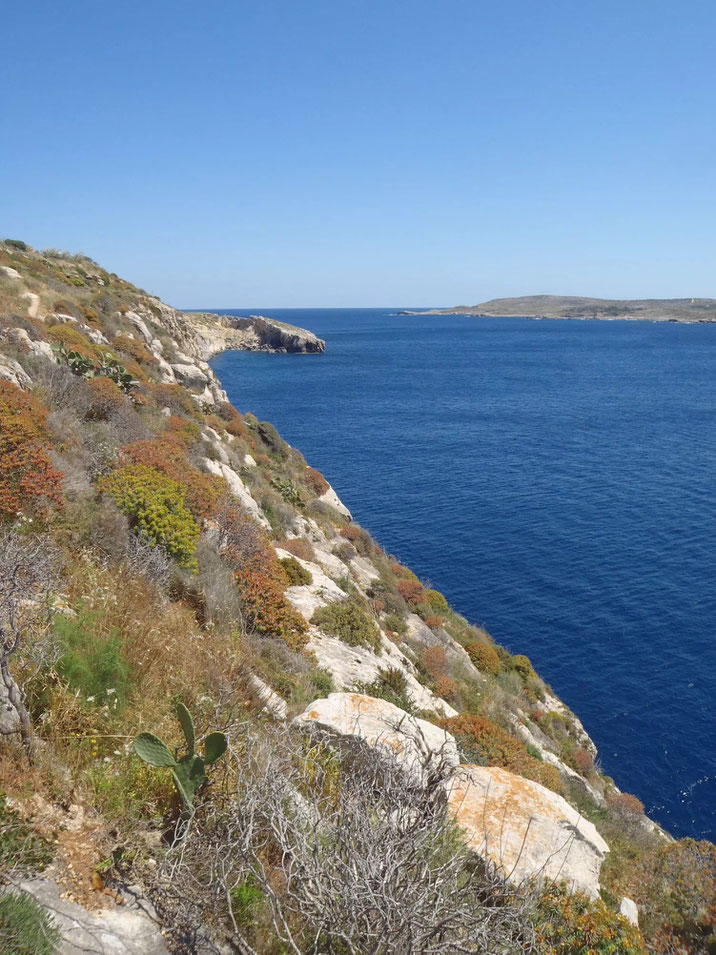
677, 310
566, 318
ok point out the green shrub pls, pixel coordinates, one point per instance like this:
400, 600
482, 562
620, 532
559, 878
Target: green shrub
93, 662
289, 492
395, 624
569, 923
322, 682
297, 575
485, 657
436, 600
25, 928
390, 685
16, 244
350, 622
272, 439
246, 900
155, 506
522, 665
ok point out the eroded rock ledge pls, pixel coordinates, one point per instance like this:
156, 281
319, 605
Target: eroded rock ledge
216, 333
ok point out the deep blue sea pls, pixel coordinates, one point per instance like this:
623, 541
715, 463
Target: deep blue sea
556, 480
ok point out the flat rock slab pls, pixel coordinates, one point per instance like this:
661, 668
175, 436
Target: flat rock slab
418, 746
131, 929
526, 830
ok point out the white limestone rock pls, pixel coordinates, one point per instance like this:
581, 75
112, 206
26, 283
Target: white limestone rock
41, 349
13, 372
628, 909
190, 375
363, 571
350, 666
418, 746
330, 497
238, 489
132, 929
273, 703
140, 325
526, 830
309, 597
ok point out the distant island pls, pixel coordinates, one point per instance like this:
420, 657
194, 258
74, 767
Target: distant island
576, 307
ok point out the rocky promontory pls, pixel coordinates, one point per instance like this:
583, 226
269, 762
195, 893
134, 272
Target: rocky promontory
217, 333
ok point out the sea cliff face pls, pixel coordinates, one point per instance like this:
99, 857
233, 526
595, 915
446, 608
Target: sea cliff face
197, 556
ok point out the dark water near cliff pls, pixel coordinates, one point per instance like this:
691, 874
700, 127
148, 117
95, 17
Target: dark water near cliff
556, 481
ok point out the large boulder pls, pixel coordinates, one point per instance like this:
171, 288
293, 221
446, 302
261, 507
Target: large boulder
420, 748
527, 831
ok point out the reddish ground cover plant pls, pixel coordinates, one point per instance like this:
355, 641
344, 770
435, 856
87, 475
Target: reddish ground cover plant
315, 481
234, 423
434, 661
626, 804
411, 591
29, 484
483, 742
105, 397
135, 349
300, 547
583, 761
446, 689
260, 579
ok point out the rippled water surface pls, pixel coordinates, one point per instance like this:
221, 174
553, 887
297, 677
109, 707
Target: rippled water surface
556, 481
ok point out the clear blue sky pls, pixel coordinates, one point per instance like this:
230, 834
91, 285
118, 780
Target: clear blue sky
376, 152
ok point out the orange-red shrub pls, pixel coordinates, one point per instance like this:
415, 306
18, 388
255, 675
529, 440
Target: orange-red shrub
105, 397
188, 432
435, 623
260, 579
315, 481
234, 423
433, 660
73, 340
400, 571
626, 804
300, 547
484, 656
446, 688
135, 349
28, 482
412, 591
483, 742
583, 761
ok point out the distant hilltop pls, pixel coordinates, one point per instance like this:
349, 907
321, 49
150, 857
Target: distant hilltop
574, 306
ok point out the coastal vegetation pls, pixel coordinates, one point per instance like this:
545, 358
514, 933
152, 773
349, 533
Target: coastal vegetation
157, 648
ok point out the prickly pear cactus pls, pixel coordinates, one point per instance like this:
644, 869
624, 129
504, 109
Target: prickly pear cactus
188, 772
152, 750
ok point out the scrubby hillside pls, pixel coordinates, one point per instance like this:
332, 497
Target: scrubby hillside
363, 770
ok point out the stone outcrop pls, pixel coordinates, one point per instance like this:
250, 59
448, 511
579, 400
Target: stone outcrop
208, 334
131, 929
421, 748
526, 830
